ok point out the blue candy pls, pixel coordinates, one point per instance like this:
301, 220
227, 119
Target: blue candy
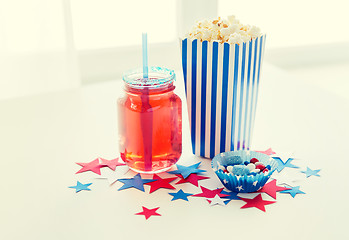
233, 160
246, 163
240, 170
269, 167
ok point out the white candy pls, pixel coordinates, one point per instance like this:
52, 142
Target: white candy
230, 169
251, 166
255, 170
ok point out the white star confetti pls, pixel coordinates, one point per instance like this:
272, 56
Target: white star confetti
113, 176
216, 201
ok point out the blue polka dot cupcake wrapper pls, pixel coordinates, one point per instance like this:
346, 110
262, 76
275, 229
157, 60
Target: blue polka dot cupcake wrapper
245, 183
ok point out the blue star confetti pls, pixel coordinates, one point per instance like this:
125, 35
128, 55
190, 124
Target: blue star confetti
180, 195
232, 196
310, 172
293, 191
185, 171
79, 187
282, 165
135, 182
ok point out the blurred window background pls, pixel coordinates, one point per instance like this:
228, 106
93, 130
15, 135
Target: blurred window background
111, 23
293, 23
62, 44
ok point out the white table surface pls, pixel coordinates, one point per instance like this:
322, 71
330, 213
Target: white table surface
43, 136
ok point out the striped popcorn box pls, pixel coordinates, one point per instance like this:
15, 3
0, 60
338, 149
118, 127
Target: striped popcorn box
221, 84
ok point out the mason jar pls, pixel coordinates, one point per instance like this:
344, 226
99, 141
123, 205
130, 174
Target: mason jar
150, 121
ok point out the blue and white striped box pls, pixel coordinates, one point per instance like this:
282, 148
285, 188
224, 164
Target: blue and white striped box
221, 84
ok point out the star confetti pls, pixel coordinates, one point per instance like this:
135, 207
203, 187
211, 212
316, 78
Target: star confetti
93, 166
270, 188
216, 201
256, 202
193, 179
148, 212
159, 182
113, 176
135, 182
282, 164
185, 171
293, 191
288, 176
79, 187
269, 152
207, 193
310, 172
112, 164
180, 195
230, 196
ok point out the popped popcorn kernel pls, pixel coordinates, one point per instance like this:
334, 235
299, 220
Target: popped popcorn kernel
228, 30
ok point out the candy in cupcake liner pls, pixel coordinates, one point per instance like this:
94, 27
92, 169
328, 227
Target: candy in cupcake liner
244, 183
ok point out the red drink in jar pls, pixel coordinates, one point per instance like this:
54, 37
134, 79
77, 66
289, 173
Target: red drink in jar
150, 121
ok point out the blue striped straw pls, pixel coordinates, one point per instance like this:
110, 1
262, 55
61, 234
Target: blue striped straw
146, 117
145, 54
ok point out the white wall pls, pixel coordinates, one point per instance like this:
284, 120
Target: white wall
36, 48
293, 23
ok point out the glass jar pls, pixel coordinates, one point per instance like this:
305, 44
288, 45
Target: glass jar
150, 121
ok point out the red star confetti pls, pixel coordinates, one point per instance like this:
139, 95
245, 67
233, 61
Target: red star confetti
160, 183
207, 193
270, 188
269, 151
148, 212
93, 166
193, 179
256, 202
112, 164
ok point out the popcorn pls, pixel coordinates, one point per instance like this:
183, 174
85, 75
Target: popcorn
228, 30
232, 19
235, 38
206, 35
254, 31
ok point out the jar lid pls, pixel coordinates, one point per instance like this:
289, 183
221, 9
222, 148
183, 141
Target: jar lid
157, 77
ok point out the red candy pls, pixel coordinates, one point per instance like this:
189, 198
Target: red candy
260, 167
265, 170
225, 171
254, 160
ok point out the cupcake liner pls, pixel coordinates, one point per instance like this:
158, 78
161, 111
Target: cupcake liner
221, 84
245, 183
